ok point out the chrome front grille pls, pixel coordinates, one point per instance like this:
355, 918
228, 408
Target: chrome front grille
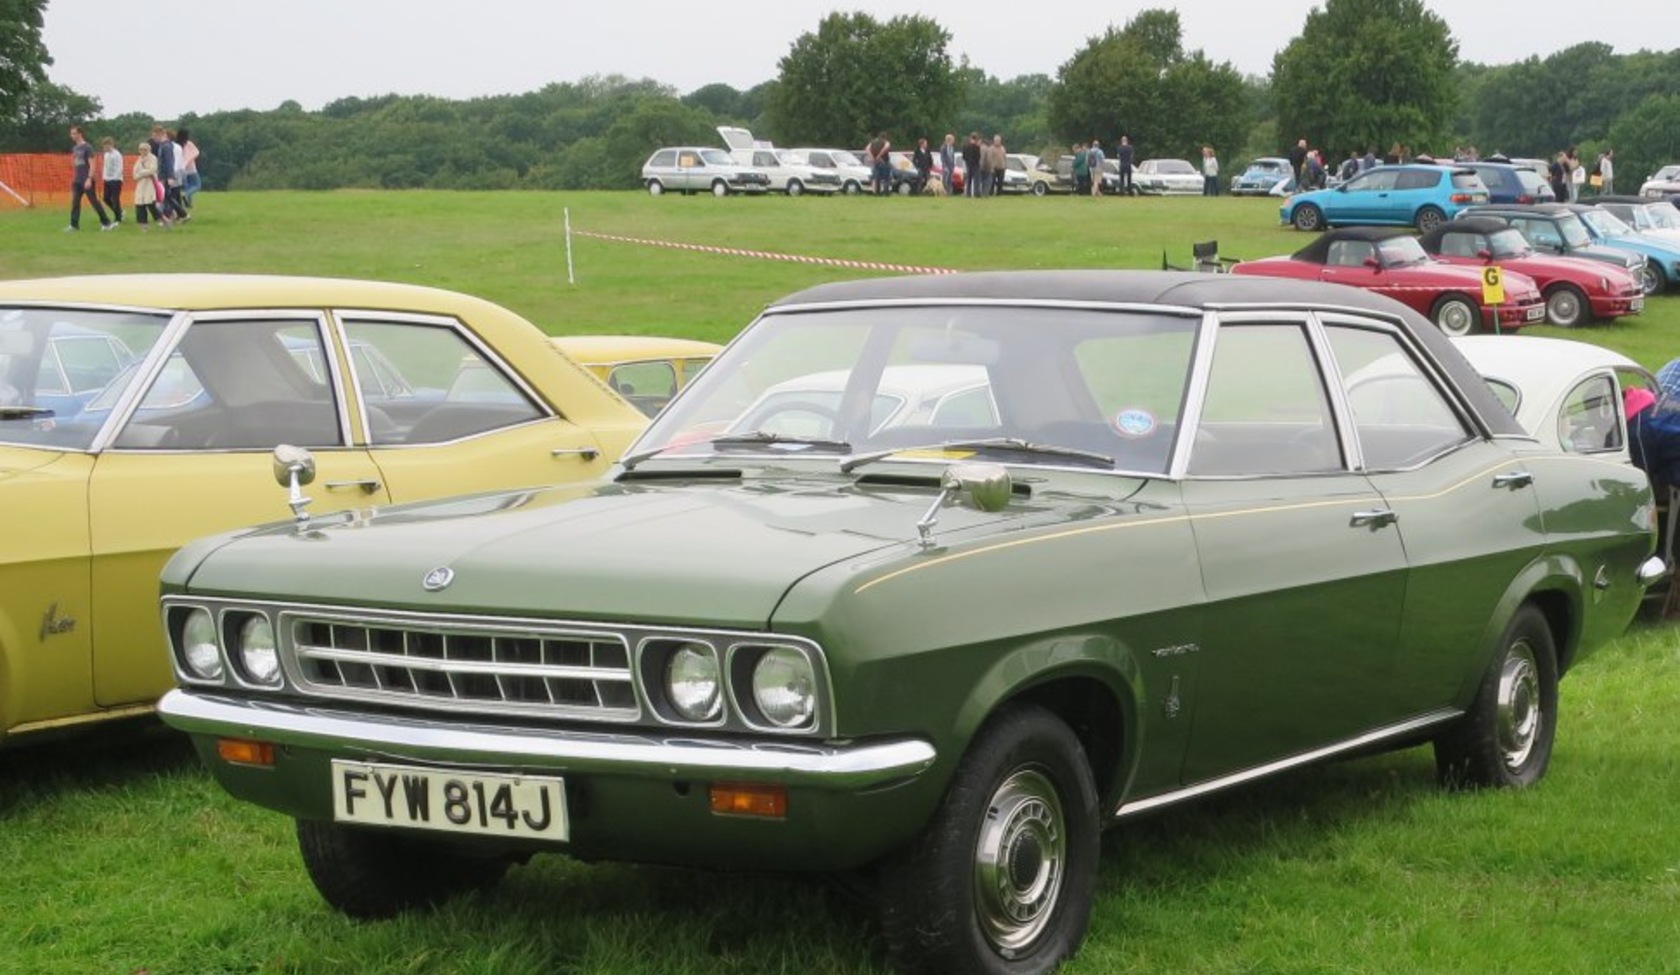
574, 674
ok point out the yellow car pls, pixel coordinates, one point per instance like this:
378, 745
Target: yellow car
646, 370
138, 412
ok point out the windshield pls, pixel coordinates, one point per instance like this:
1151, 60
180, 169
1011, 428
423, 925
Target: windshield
1398, 251
856, 381
1606, 223
1574, 233
55, 361
845, 158
1175, 167
716, 157
1661, 216
1508, 243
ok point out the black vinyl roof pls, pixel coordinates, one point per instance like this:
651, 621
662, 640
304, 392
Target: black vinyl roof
1318, 251
1462, 225
1187, 290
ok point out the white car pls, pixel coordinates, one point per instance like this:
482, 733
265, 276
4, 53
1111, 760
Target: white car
692, 169
1568, 394
790, 171
854, 176
1167, 177
1664, 184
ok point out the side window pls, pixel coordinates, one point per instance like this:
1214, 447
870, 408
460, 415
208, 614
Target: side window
1349, 253
239, 384
1376, 180
664, 157
1412, 179
647, 385
1266, 411
426, 384
1401, 417
688, 160
1589, 422
1461, 245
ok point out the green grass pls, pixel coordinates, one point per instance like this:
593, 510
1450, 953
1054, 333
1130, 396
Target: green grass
119, 855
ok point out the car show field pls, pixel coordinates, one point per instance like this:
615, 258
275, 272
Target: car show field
123, 855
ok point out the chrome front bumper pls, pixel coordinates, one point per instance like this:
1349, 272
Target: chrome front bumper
637, 754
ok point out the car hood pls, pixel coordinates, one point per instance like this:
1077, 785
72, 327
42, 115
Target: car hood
689, 552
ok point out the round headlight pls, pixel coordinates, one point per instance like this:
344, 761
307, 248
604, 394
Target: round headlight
199, 646
784, 688
258, 652
692, 682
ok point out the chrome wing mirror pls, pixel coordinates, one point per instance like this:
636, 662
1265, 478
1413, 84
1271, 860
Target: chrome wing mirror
988, 487
293, 468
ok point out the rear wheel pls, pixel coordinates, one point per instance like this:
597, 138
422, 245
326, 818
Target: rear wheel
1040, 188
1456, 315
655, 187
1566, 306
1002, 880
852, 187
795, 187
369, 873
1505, 739
1308, 216
1428, 218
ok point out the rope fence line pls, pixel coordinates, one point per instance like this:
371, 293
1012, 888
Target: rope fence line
767, 255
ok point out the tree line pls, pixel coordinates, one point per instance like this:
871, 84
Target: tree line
1361, 73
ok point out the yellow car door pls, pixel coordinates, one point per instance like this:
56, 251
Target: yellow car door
194, 457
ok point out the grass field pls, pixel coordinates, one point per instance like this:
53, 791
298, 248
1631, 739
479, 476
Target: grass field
118, 855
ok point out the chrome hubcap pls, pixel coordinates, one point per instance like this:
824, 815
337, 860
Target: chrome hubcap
1455, 319
1019, 861
1519, 707
1565, 309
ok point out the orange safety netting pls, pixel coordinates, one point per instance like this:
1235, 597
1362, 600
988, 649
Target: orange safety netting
38, 179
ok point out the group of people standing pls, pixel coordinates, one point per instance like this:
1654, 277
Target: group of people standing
1088, 160
1567, 175
165, 179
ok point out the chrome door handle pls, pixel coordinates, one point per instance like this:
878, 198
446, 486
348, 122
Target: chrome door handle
368, 486
587, 453
1514, 479
1373, 519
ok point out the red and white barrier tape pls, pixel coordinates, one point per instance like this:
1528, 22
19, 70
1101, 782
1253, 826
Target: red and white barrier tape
770, 255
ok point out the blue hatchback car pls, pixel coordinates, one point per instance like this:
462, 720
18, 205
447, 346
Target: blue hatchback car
1417, 195
1661, 254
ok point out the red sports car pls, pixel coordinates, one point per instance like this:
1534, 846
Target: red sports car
1576, 289
1391, 262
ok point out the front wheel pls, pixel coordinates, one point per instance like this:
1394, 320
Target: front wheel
1456, 315
852, 188
655, 188
1001, 882
795, 187
371, 874
1040, 188
720, 188
1650, 277
1566, 306
1505, 739
1308, 217
1428, 218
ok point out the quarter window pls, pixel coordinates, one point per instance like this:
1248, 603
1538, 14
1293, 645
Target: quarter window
1401, 417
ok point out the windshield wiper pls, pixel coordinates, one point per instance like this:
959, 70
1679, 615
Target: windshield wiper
757, 438
991, 443
25, 412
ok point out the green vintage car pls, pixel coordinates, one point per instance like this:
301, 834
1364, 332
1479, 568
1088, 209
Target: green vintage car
1162, 549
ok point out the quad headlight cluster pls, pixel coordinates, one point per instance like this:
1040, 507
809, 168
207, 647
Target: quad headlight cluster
766, 686
206, 648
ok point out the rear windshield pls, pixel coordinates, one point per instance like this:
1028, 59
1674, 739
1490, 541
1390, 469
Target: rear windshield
1468, 181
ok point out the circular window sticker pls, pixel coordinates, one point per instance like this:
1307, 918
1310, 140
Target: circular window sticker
1135, 422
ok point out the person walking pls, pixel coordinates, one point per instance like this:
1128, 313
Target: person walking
1094, 161
1210, 172
112, 170
948, 162
146, 187
81, 181
187, 153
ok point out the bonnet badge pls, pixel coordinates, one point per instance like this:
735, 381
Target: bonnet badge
438, 578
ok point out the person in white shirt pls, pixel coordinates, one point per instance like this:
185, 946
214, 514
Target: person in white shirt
111, 162
1210, 172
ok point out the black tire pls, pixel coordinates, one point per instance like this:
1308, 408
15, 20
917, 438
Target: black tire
1428, 218
1456, 315
1505, 739
1308, 216
1040, 188
795, 187
851, 187
1001, 882
1566, 306
720, 188
373, 874
655, 188
1651, 279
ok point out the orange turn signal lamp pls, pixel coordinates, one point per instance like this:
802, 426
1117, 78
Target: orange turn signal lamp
749, 799
242, 751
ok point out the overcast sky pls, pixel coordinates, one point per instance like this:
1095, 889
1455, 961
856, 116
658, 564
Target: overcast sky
168, 57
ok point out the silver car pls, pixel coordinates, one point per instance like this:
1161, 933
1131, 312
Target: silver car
689, 169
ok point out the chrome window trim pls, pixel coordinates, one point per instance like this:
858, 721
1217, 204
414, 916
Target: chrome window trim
342, 318
1195, 394
1180, 311
144, 375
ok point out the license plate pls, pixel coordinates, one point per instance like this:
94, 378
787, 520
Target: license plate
524, 806
1535, 314
1637, 304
